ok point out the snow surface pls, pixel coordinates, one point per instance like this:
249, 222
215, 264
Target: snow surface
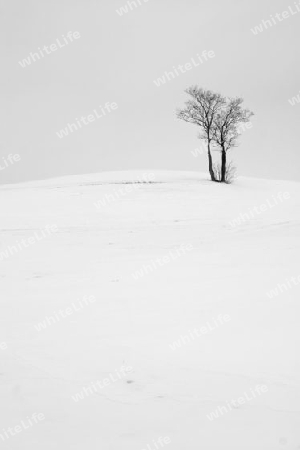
133, 322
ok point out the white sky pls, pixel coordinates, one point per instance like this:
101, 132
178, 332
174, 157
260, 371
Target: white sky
117, 58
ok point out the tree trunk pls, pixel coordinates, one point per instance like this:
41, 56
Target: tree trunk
223, 168
210, 163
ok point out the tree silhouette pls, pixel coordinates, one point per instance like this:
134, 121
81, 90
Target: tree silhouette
225, 128
218, 118
202, 110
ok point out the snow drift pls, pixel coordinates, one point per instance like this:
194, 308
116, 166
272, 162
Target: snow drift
150, 360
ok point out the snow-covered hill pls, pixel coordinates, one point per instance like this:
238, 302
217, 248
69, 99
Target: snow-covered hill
143, 305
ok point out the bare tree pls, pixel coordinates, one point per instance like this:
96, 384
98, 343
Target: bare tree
225, 128
202, 110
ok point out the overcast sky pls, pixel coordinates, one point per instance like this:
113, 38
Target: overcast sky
116, 59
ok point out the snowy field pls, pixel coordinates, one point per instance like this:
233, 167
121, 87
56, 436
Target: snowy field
150, 315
